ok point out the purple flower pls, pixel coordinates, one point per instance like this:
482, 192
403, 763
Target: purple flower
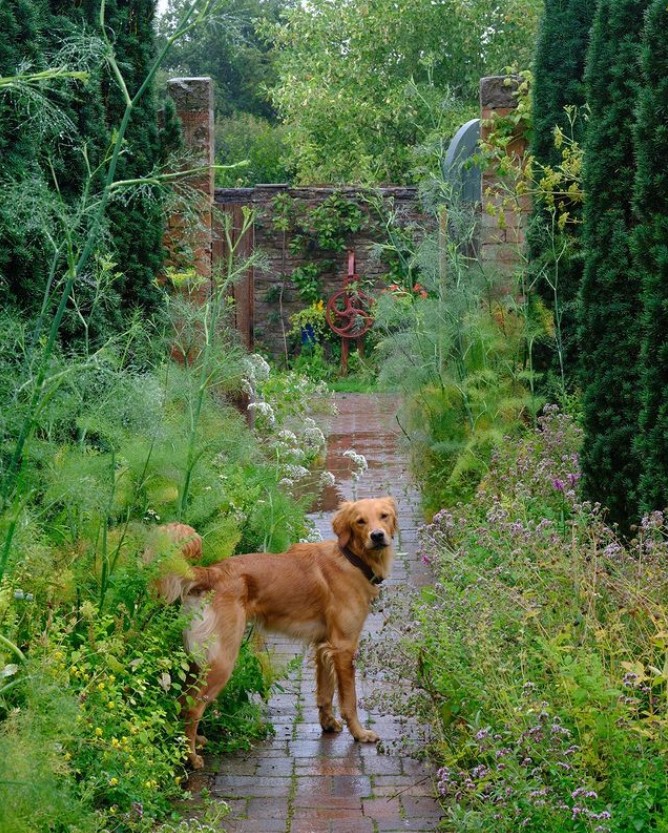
559, 485
557, 729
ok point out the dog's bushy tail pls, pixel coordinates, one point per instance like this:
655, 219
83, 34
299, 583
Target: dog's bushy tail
169, 551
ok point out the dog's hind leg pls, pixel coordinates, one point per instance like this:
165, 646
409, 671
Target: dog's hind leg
325, 677
221, 652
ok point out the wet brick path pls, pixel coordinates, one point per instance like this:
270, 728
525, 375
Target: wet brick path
299, 780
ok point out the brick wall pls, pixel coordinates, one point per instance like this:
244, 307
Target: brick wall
266, 297
275, 297
502, 232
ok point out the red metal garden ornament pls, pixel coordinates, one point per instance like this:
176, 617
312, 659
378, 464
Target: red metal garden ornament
348, 313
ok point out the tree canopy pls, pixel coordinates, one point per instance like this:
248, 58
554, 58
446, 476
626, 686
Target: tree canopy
361, 82
231, 49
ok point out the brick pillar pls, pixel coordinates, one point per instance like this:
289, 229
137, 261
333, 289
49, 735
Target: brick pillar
505, 213
194, 105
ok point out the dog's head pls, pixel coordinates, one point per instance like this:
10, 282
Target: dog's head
366, 525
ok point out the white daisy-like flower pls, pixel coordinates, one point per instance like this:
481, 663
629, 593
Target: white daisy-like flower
327, 479
265, 410
358, 460
257, 368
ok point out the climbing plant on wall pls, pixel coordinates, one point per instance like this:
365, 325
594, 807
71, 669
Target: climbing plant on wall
316, 234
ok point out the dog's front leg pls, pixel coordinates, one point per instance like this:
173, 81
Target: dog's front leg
344, 659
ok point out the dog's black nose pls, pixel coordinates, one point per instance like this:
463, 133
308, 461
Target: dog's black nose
378, 536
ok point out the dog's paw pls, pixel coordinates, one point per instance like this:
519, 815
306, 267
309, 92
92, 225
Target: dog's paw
367, 736
331, 724
196, 761
200, 741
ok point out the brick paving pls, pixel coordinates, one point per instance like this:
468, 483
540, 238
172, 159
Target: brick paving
303, 781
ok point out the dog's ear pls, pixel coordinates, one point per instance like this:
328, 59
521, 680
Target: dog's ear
341, 524
392, 506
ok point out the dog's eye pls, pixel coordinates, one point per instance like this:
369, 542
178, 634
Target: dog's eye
361, 521
384, 516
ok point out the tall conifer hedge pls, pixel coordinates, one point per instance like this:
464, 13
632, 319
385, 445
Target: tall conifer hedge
611, 287
559, 66
650, 243
20, 28
134, 227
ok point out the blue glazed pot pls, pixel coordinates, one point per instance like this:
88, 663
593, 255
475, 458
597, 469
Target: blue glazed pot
308, 335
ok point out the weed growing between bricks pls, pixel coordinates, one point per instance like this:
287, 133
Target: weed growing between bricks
393, 656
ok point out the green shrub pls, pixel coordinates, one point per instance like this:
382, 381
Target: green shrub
554, 250
651, 210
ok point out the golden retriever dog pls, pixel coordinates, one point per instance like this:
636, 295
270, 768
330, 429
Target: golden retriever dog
318, 592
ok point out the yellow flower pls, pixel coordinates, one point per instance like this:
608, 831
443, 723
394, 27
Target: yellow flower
113, 782
98, 732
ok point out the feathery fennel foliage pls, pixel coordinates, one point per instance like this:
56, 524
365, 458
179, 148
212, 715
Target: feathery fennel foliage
458, 345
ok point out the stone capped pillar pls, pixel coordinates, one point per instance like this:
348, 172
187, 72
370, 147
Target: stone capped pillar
505, 213
193, 98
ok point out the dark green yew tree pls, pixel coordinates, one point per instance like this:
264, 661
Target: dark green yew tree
611, 289
650, 244
561, 51
137, 227
555, 253
136, 223
20, 47
55, 157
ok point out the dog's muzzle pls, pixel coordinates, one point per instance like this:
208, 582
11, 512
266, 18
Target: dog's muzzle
378, 538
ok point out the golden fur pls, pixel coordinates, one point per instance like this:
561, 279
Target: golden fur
312, 592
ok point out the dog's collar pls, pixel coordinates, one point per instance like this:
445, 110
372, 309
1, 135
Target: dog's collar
356, 561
